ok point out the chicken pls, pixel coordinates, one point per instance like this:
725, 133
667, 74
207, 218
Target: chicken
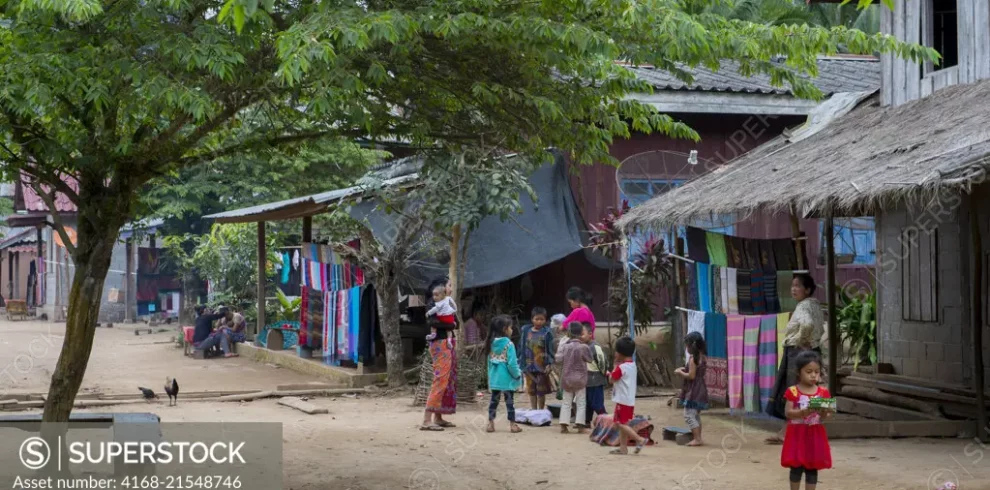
148, 394
172, 388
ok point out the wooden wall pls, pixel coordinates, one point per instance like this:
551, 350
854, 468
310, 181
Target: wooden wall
903, 81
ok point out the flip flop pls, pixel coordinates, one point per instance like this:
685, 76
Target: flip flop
431, 428
446, 425
639, 447
773, 441
616, 452
515, 429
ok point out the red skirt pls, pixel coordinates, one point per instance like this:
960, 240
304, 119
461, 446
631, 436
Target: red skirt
806, 446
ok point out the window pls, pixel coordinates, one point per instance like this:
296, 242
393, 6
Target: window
855, 241
638, 191
919, 274
940, 30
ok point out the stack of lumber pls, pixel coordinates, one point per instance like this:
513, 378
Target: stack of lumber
892, 397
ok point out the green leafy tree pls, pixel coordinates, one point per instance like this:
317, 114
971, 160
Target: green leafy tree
117, 93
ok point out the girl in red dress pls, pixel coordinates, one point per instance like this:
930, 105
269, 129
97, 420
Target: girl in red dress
806, 447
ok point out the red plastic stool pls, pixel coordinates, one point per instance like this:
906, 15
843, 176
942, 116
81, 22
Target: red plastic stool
187, 335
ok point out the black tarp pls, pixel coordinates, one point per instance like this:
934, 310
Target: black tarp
500, 250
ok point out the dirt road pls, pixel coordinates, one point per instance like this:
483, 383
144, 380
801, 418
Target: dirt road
372, 442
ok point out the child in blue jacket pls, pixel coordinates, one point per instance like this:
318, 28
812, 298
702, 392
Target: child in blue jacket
504, 374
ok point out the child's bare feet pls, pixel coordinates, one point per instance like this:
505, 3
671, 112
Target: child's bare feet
695, 443
514, 428
639, 445
563, 429
581, 429
491, 426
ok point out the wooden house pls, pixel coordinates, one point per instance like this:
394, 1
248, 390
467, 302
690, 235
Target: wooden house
915, 157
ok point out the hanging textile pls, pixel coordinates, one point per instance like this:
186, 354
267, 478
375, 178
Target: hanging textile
704, 285
752, 248
734, 346
782, 319
724, 278
716, 284
757, 291
716, 248
732, 290
695, 323
286, 268
784, 254
354, 295
369, 326
717, 374
770, 291
697, 243
784, 280
735, 253
751, 366
744, 292
693, 288
768, 359
767, 262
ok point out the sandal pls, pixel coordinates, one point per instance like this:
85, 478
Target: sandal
491, 427
431, 428
773, 441
639, 447
445, 424
618, 452
515, 429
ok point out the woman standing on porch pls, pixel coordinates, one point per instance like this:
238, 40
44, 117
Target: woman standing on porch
804, 332
443, 391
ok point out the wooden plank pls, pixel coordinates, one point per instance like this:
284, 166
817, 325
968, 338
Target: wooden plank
912, 34
874, 428
925, 273
897, 63
965, 34
262, 265
878, 396
905, 266
934, 274
903, 389
886, 65
302, 406
919, 382
309, 386
878, 411
247, 397
981, 42
927, 32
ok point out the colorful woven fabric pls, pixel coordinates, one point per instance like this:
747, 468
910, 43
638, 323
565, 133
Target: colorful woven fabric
731, 291
744, 293
756, 288
697, 244
724, 283
716, 248
716, 335
704, 282
767, 359
770, 292
695, 323
767, 260
784, 253
735, 252
734, 346
443, 390
716, 284
752, 248
694, 288
717, 380
751, 365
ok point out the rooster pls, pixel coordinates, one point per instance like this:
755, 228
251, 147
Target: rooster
172, 388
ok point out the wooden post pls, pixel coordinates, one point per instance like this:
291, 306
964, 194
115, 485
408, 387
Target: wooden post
976, 316
129, 287
680, 283
38, 300
833, 334
798, 244
262, 259
307, 231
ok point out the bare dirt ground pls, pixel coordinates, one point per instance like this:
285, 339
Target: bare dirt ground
372, 442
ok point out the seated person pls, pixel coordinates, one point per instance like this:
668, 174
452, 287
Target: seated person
205, 337
234, 326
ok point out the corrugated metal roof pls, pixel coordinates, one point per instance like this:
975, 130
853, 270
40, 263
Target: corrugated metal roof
835, 75
19, 237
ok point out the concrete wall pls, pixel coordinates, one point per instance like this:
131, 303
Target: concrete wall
938, 350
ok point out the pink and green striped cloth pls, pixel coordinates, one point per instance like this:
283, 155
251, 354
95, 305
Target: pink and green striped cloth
734, 342
750, 375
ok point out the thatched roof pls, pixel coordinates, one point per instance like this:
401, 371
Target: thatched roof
861, 161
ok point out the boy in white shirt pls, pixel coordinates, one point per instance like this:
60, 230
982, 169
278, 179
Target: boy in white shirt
623, 380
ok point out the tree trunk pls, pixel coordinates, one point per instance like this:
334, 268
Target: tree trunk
388, 301
190, 298
96, 236
454, 278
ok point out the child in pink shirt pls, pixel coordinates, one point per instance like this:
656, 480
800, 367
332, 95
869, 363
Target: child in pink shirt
579, 301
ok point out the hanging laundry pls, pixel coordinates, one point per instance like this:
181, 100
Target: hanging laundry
744, 291
751, 366
286, 267
724, 278
768, 359
716, 283
370, 328
295, 259
752, 248
734, 346
732, 290
770, 291
704, 286
693, 288
697, 243
716, 248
